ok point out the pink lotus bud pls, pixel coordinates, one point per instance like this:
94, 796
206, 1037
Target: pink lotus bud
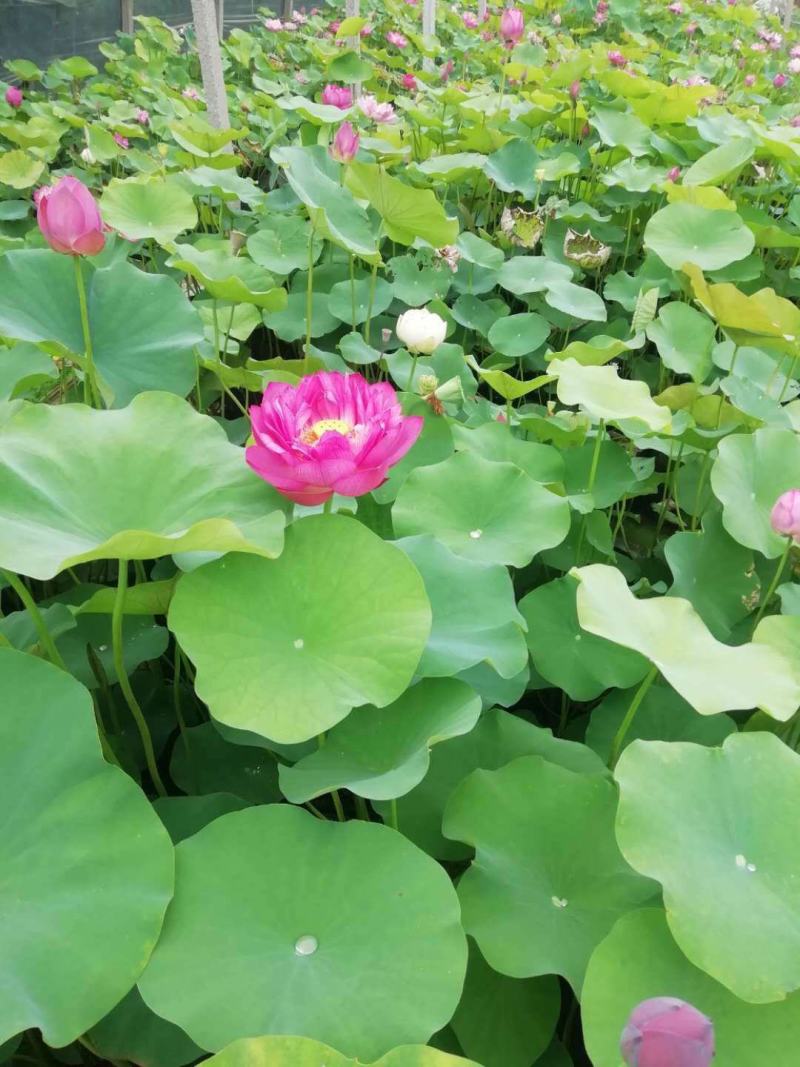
409, 82
337, 96
667, 1032
575, 90
779, 81
332, 26
397, 39
795, 121
469, 20
616, 58
345, 144
785, 515
487, 35
13, 96
691, 29
446, 70
673, 174
331, 433
512, 25
69, 218
749, 79
142, 117
501, 417
299, 18
365, 31
123, 142
794, 51
191, 93
676, 8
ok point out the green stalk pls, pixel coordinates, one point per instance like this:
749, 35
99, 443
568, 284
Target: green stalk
773, 585
372, 283
91, 391
309, 294
601, 428
30, 605
630, 715
124, 681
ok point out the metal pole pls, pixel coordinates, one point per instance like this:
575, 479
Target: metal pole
428, 29
126, 15
288, 7
206, 30
482, 4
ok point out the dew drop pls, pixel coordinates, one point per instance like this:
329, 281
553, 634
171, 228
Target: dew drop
751, 867
299, 643
102, 648
476, 534
306, 945
559, 902
741, 862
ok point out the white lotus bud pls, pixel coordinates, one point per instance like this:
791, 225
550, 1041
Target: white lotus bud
87, 157
421, 331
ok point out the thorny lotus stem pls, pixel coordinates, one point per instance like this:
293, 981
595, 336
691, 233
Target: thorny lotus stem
91, 391
309, 292
124, 681
630, 715
30, 605
410, 384
773, 585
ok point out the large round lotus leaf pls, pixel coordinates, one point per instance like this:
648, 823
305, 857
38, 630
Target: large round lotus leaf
346, 933
711, 676
583, 665
663, 715
490, 512
614, 476
133, 351
132, 1032
517, 335
505, 1022
495, 441
287, 648
204, 762
475, 617
604, 395
141, 208
184, 816
750, 473
498, 738
228, 277
548, 880
684, 338
304, 1052
381, 753
716, 828
281, 244
355, 303
687, 233
639, 960
85, 861
152, 479
720, 162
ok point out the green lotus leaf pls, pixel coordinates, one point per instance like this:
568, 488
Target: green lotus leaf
604, 395
621, 129
475, 618
639, 960
355, 303
548, 880
133, 351
583, 665
383, 753
228, 277
225, 184
378, 963
22, 368
416, 284
291, 323
304, 1052
141, 208
505, 1021
20, 170
684, 339
494, 440
349, 68
479, 252
687, 233
407, 213
532, 274
711, 676
513, 168
720, 163
577, 301
352, 636
454, 167
200, 138
714, 827
509, 387
204, 762
184, 816
82, 831
488, 512
313, 112
763, 314
517, 335
749, 474
132, 1032
149, 480
281, 244
601, 349
498, 738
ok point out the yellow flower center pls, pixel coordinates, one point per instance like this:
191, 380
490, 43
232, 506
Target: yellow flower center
312, 434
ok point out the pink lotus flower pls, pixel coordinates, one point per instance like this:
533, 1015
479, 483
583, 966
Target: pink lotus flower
779, 81
191, 93
616, 58
338, 96
332, 433
333, 27
758, 46
13, 96
667, 1032
691, 29
365, 31
123, 142
273, 25
69, 218
749, 79
794, 65
299, 18
512, 25
575, 90
673, 174
345, 144
676, 8
409, 82
142, 116
370, 107
470, 20
794, 51
785, 515
446, 70
397, 39
795, 121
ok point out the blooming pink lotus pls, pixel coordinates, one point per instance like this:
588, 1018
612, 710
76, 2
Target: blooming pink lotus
369, 106
785, 515
69, 218
13, 96
397, 39
273, 25
123, 142
142, 116
512, 25
470, 20
616, 58
191, 93
409, 82
332, 433
667, 1032
345, 144
338, 96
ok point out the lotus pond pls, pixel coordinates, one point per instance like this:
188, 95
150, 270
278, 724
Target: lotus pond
399, 509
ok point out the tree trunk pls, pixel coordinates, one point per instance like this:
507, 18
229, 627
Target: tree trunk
206, 29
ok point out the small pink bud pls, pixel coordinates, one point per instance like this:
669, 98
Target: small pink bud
142, 117
409, 82
795, 121
749, 79
616, 58
345, 144
337, 96
691, 29
512, 25
365, 31
397, 39
69, 218
785, 515
470, 20
13, 96
673, 174
123, 142
575, 90
667, 1032
779, 81
446, 70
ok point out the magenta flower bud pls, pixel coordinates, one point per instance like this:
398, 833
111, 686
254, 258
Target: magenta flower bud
691, 29
446, 70
409, 82
397, 39
512, 25
69, 218
785, 515
469, 20
616, 58
337, 96
345, 144
142, 117
575, 90
673, 174
13, 96
123, 142
667, 1032
779, 81
749, 79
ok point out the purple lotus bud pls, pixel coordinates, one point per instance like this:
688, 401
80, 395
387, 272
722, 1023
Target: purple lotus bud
667, 1032
785, 515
